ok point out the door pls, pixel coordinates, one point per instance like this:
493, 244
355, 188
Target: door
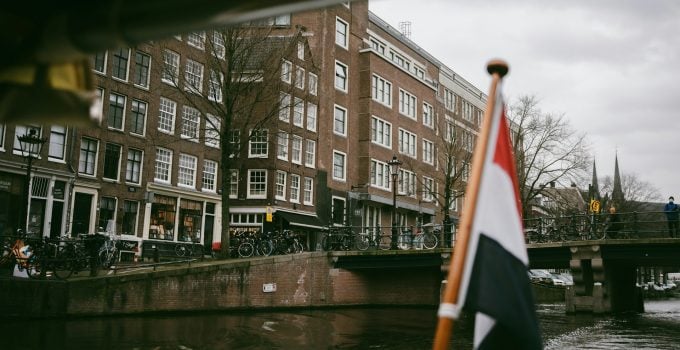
81, 213
57, 214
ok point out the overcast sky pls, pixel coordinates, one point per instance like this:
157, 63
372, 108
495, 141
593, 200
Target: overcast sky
611, 66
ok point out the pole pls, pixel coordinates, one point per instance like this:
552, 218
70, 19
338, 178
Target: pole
27, 188
395, 233
497, 69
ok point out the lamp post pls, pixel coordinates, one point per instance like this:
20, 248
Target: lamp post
394, 171
31, 145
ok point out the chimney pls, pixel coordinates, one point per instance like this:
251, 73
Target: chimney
552, 184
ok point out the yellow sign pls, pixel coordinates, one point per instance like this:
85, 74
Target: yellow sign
594, 206
269, 216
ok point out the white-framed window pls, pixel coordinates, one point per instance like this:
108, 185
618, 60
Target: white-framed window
313, 83
311, 116
3, 128
163, 165
258, 145
449, 100
120, 64
282, 145
381, 132
193, 76
218, 49
296, 150
170, 67
97, 108
299, 112
257, 183
280, 188
233, 183
407, 183
235, 143
87, 163
301, 51
468, 141
339, 165
295, 188
209, 182
116, 116
57, 148
428, 189
215, 86
25, 130
341, 76
138, 117
310, 154
466, 171
340, 121
112, 153
197, 40
191, 120
166, 118
428, 151
341, 28
284, 109
380, 174
300, 78
377, 45
133, 169
212, 131
286, 71
308, 191
130, 213
450, 130
407, 143
381, 90
99, 62
428, 115
186, 174
142, 70
407, 104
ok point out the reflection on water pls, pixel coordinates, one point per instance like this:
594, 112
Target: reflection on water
365, 328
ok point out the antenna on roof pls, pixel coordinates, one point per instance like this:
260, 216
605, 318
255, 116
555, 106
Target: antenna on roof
405, 28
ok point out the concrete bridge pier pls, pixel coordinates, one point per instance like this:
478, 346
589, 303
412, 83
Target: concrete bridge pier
601, 286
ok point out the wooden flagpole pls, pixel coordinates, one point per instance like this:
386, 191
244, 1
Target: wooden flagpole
497, 69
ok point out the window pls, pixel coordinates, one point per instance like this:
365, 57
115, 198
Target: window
57, 142
112, 161
212, 131
340, 121
308, 191
235, 143
382, 90
142, 67
170, 67
107, 212
134, 165
298, 112
299, 78
466, 171
218, 45
428, 115
428, 189
99, 62
257, 183
233, 184
341, 32
428, 151
468, 141
296, 155
381, 132
166, 119
338, 210
311, 116
295, 188
191, 121
209, 182
119, 64
340, 76
2, 137
87, 163
407, 143
196, 40
282, 145
380, 174
377, 46
450, 132
97, 108
186, 176
313, 83
407, 104
116, 116
258, 144
215, 86
449, 100
407, 183
310, 154
286, 70
25, 130
129, 226
468, 108
163, 165
193, 75
339, 166
138, 117
284, 109
301, 51
280, 189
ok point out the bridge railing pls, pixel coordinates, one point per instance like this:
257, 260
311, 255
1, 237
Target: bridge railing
598, 226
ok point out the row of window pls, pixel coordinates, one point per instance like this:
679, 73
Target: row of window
300, 79
294, 196
56, 141
128, 214
295, 142
298, 107
382, 93
186, 170
397, 58
120, 66
406, 185
381, 134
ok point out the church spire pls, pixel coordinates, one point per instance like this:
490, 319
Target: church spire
595, 188
617, 192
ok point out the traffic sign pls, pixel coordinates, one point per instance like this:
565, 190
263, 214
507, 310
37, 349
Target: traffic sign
594, 206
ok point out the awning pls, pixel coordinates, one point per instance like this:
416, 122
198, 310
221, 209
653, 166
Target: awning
301, 220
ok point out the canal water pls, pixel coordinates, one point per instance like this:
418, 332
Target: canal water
358, 328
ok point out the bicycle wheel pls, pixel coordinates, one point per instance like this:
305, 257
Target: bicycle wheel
430, 241
181, 250
33, 267
385, 242
264, 248
246, 250
325, 244
361, 242
61, 268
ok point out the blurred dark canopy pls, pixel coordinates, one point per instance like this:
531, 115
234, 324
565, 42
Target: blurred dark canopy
44, 74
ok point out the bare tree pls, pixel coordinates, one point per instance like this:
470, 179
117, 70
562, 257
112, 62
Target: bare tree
547, 150
636, 193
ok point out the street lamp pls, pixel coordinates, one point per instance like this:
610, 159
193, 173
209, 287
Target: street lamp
31, 145
394, 171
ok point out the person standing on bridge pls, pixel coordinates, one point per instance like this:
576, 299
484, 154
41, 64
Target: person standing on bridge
672, 211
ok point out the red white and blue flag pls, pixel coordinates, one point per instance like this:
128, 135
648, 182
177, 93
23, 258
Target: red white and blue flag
494, 284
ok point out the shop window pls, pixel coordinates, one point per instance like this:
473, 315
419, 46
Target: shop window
107, 210
130, 217
163, 218
190, 216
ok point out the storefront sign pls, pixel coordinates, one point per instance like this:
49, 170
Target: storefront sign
5, 185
